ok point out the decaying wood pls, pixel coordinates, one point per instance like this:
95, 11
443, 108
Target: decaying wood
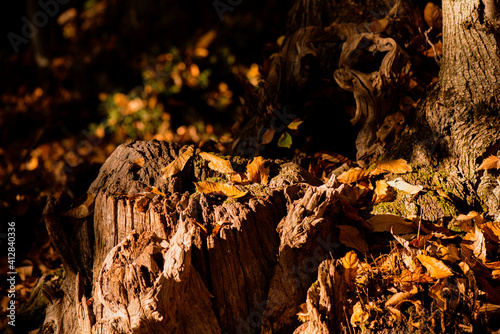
153, 269
326, 302
372, 82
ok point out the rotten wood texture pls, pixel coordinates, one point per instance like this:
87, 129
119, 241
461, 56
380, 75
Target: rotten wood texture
369, 66
326, 301
188, 262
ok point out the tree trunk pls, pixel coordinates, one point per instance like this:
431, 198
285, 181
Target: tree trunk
461, 114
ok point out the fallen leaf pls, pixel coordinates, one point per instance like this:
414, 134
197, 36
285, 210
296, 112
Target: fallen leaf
303, 315
217, 227
178, 164
404, 186
351, 237
383, 192
285, 140
84, 209
400, 297
433, 15
350, 262
256, 171
399, 166
215, 188
384, 223
217, 164
492, 162
268, 136
359, 315
492, 230
436, 292
436, 268
475, 242
353, 175
294, 125
155, 190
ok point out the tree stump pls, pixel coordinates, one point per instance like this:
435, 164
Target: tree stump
188, 262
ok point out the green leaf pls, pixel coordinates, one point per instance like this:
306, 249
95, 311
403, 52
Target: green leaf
285, 140
295, 125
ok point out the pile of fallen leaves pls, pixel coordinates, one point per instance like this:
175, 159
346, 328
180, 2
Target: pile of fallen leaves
410, 274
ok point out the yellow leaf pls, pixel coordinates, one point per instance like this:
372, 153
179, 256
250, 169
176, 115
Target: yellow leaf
350, 260
294, 125
178, 164
353, 175
384, 223
217, 164
436, 268
394, 166
216, 188
84, 209
351, 237
493, 162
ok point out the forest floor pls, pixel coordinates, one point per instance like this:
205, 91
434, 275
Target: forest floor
59, 126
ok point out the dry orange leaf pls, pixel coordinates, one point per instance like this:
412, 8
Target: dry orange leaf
155, 190
256, 172
353, 175
215, 188
436, 268
383, 192
492, 230
433, 16
492, 162
351, 237
178, 164
399, 166
359, 315
84, 209
217, 164
350, 260
384, 223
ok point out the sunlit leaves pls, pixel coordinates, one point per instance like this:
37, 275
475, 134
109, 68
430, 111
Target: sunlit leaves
435, 267
178, 164
353, 175
386, 222
215, 188
394, 166
285, 140
217, 164
492, 162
